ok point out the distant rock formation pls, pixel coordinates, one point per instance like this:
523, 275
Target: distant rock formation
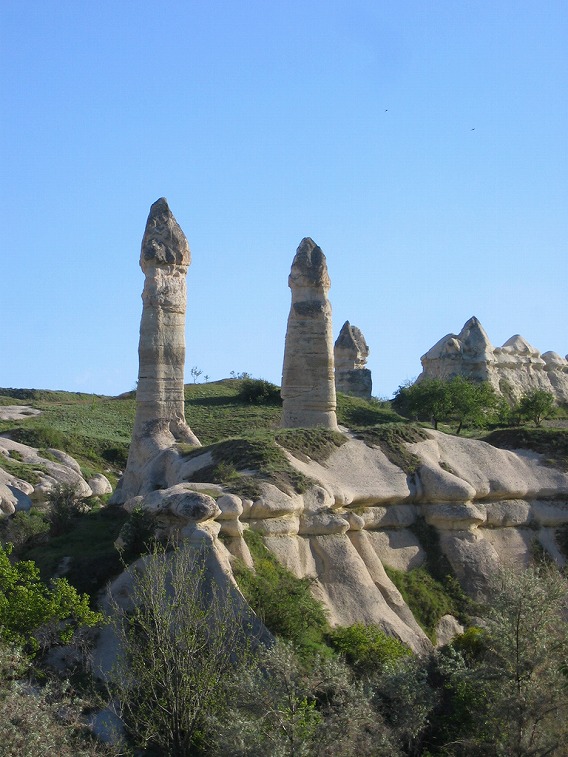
160, 417
308, 386
351, 353
512, 370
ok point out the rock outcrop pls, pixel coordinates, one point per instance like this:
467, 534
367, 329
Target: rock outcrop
351, 353
482, 507
512, 370
160, 417
308, 386
18, 493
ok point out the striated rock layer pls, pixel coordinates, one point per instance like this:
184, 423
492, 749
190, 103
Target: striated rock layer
512, 370
308, 385
160, 417
482, 507
350, 354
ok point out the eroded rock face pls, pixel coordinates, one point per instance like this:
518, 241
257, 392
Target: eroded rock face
484, 507
351, 353
160, 416
308, 386
513, 369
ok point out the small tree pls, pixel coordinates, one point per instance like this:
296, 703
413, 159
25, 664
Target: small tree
64, 505
179, 641
536, 405
31, 611
195, 373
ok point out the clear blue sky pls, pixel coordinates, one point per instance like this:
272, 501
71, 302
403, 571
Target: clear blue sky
422, 145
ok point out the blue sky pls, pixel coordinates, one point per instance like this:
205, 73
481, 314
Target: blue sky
422, 145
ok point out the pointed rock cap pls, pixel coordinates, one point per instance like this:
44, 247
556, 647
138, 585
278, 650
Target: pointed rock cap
309, 267
518, 345
474, 340
351, 338
164, 242
447, 346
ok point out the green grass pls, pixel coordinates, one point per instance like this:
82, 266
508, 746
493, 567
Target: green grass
314, 443
392, 439
550, 442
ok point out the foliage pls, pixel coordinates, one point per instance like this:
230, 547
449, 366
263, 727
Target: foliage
458, 399
281, 705
31, 611
64, 505
284, 603
367, 648
181, 639
259, 392
508, 682
137, 532
392, 439
89, 548
536, 406
426, 597
24, 529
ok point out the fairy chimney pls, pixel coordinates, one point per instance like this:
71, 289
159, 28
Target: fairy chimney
308, 387
351, 353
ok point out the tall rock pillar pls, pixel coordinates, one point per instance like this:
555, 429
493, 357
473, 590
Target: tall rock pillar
308, 387
160, 417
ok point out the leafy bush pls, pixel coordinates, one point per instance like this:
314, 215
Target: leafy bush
138, 532
64, 506
29, 609
536, 405
367, 648
24, 529
284, 603
259, 392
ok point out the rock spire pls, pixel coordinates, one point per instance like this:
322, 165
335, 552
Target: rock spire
160, 417
351, 353
308, 387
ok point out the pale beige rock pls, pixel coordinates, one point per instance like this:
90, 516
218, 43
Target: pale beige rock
49, 473
17, 412
513, 369
507, 513
308, 386
455, 516
397, 548
350, 355
8, 501
160, 415
447, 629
100, 485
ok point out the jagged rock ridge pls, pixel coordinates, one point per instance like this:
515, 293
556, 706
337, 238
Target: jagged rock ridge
513, 369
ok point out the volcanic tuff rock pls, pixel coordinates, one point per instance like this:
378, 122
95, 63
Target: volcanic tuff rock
512, 370
160, 416
308, 386
351, 353
484, 507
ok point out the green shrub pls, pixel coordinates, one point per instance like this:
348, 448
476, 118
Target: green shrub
30, 610
367, 648
25, 529
138, 532
64, 506
427, 598
284, 603
259, 392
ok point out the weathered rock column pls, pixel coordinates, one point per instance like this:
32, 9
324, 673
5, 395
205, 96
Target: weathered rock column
308, 386
351, 353
160, 416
